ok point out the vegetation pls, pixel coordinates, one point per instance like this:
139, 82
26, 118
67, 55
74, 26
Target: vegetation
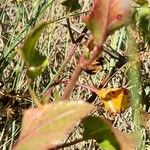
75, 74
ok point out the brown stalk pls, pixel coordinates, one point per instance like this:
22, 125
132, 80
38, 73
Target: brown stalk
65, 145
72, 82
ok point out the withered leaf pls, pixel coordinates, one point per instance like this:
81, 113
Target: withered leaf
48, 126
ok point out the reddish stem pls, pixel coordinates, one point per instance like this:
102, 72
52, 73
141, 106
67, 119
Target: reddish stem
92, 89
83, 62
72, 82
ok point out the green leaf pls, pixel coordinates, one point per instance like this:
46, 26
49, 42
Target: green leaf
56, 95
35, 62
106, 136
47, 126
106, 145
96, 128
71, 5
142, 18
141, 2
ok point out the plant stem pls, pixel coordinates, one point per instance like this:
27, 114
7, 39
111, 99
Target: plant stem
68, 57
72, 82
32, 93
83, 62
67, 144
134, 76
105, 81
70, 30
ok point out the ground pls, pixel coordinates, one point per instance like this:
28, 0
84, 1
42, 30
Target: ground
16, 19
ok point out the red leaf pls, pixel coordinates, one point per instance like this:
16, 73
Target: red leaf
96, 21
105, 16
119, 13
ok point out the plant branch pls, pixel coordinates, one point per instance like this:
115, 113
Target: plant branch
113, 53
107, 49
32, 93
64, 145
68, 57
70, 30
91, 88
104, 82
83, 62
72, 82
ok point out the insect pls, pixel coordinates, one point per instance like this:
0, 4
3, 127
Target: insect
95, 66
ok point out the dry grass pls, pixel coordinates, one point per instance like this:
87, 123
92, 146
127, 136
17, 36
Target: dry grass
15, 21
